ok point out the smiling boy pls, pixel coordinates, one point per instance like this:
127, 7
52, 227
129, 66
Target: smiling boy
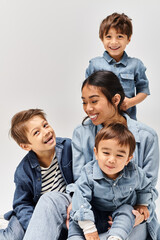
115, 33
111, 185
45, 168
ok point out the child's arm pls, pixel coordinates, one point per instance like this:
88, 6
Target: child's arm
89, 230
130, 102
92, 236
141, 83
90, 69
81, 202
23, 203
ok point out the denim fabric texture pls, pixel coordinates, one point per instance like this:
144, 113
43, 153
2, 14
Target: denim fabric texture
123, 222
28, 181
146, 156
48, 217
139, 232
131, 187
14, 231
130, 71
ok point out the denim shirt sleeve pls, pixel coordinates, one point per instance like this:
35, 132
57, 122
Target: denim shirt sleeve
89, 70
22, 204
141, 81
151, 157
78, 160
144, 193
81, 207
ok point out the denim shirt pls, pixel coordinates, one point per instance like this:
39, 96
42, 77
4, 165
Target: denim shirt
146, 154
130, 71
28, 180
130, 187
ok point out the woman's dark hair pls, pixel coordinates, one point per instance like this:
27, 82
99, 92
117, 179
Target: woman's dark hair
109, 85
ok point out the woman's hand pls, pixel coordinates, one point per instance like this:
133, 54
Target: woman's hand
92, 236
110, 222
68, 215
139, 218
143, 210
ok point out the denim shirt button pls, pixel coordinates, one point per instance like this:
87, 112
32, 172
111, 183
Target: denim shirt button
114, 184
38, 168
38, 179
82, 206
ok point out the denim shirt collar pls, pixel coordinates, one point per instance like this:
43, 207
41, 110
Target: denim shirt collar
33, 160
109, 59
32, 157
131, 124
98, 174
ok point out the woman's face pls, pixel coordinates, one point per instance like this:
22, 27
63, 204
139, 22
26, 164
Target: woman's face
97, 106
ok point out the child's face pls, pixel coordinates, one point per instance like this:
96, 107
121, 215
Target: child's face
115, 43
40, 135
112, 157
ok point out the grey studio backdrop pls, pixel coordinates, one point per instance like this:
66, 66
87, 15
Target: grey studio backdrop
45, 47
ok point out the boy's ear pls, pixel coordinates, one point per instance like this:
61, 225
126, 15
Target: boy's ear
129, 159
95, 152
25, 146
116, 99
129, 39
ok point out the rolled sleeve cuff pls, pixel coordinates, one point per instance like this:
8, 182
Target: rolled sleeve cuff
82, 214
144, 199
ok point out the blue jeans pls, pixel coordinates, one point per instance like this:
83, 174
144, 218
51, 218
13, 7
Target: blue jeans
123, 222
50, 214
48, 217
14, 230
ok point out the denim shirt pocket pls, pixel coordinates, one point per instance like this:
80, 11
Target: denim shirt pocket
127, 81
128, 193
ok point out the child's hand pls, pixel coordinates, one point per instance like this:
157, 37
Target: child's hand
127, 103
92, 236
68, 215
143, 210
130, 102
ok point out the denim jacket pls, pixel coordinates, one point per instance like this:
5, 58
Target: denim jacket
130, 187
146, 154
28, 180
130, 71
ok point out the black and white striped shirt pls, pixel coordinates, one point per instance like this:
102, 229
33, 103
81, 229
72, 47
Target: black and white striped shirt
52, 179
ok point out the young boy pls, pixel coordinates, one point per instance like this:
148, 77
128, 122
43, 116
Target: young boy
115, 33
112, 185
46, 167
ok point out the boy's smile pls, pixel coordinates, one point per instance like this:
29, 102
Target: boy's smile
112, 157
115, 43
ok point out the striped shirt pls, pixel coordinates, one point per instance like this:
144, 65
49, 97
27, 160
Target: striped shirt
52, 179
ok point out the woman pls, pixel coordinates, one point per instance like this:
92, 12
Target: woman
102, 96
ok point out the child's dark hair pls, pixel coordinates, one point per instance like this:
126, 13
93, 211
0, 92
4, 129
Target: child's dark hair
121, 22
109, 85
119, 132
18, 124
